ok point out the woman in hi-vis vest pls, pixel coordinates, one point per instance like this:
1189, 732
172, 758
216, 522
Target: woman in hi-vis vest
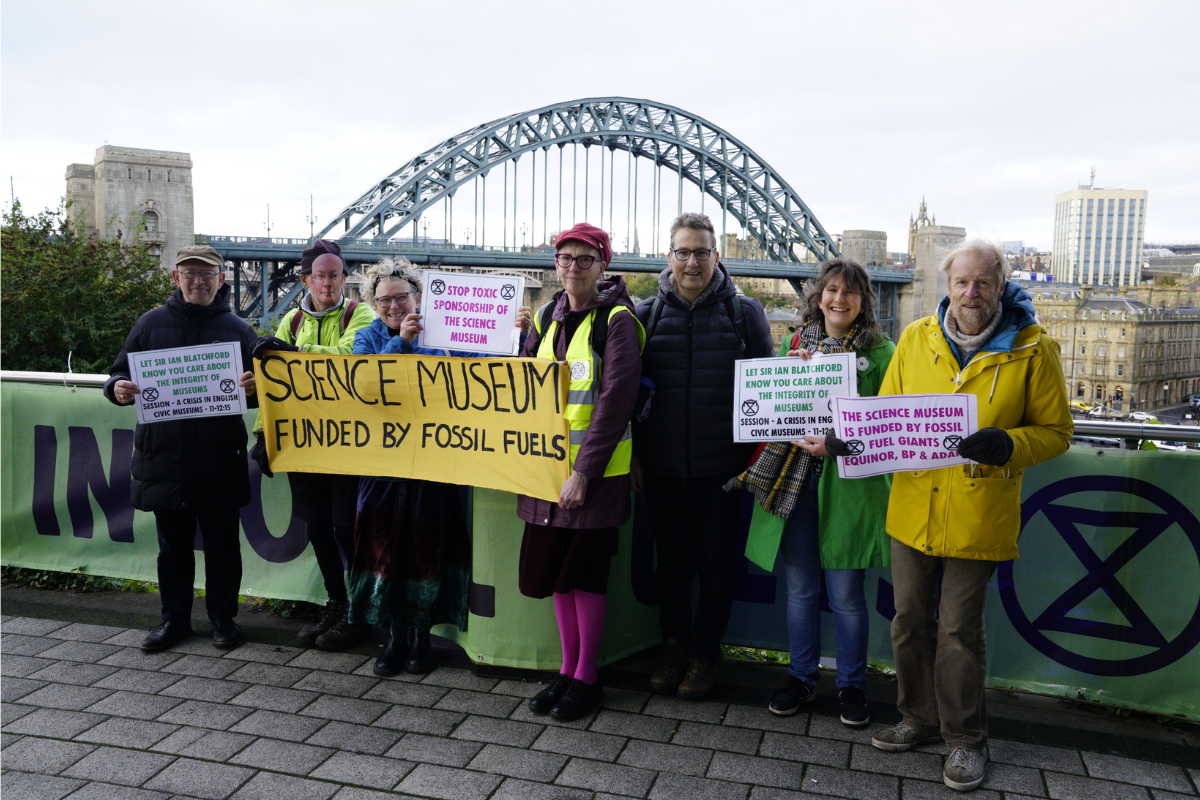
568, 546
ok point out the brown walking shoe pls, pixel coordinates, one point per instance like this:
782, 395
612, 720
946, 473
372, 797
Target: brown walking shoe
698, 682
669, 675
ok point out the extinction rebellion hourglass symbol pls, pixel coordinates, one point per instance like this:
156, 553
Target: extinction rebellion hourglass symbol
227, 386
750, 408
508, 291
150, 395
438, 286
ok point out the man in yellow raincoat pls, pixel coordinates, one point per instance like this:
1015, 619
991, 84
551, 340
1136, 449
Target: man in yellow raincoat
961, 521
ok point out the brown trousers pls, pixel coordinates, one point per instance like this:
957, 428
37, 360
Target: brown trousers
941, 648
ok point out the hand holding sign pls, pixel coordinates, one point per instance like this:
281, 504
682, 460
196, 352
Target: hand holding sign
905, 432
784, 399
469, 311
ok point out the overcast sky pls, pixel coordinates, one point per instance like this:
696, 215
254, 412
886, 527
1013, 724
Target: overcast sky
988, 110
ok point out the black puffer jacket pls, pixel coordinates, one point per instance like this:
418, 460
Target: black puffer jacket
195, 463
689, 433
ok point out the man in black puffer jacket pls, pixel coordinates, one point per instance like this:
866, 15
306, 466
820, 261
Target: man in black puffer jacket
684, 451
195, 470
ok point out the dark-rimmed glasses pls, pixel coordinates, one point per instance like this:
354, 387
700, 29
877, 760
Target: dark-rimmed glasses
565, 260
701, 255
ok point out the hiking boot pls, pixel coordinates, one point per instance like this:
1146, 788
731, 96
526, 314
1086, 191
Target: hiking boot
579, 700
546, 699
391, 660
904, 736
420, 653
309, 633
791, 696
225, 633
669, 675
343, 634
964, 768
165, 635
854, 707
698, 682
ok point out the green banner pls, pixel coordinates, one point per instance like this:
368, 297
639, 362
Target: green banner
1104, 603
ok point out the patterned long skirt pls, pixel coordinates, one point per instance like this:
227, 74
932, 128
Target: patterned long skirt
412, 554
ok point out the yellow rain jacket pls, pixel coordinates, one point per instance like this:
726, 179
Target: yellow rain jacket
974, 511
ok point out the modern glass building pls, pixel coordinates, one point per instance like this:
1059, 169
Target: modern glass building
1098, 236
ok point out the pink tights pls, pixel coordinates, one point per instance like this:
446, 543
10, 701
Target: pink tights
580, 623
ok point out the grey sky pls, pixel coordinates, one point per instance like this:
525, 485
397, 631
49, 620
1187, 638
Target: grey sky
987, 109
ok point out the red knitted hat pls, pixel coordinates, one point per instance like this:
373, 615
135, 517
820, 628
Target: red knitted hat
589, 235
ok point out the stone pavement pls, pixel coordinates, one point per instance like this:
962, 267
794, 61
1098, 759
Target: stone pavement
85, 714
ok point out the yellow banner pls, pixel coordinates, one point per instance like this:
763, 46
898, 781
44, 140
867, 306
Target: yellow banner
496, 423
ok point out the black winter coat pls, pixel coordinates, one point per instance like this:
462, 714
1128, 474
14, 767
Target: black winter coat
689, 433
189, 463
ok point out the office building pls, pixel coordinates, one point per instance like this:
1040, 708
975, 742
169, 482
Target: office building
1098, 235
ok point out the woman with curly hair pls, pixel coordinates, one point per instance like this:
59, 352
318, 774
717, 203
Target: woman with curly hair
412, 548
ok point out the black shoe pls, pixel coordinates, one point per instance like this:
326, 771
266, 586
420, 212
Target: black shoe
699, 679
166, 635
308, 634
343, 634
543, 701
391, 661
578, 701
669, 672
225, 633
854, 707
420, 654
791, 696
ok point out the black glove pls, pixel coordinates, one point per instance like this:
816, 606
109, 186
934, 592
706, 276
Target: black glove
835, 446
991, 446
264, 343
259, 453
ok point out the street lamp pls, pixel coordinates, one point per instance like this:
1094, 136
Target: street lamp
311, 219
267, 224
524, 230
467, 238
425, 227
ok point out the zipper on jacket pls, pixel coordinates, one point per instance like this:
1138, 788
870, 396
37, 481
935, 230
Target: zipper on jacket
687, 405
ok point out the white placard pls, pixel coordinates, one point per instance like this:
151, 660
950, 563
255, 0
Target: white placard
188, 382
780, 399
465, 311
903, 432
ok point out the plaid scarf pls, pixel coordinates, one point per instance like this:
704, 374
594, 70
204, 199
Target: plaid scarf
777, 477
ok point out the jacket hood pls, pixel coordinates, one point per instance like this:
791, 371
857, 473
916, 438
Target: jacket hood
611, 292
720, 287
1017, 313
219, 305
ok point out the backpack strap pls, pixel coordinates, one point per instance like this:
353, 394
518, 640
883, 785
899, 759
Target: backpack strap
656, 307
296, 322
348, 314
541, 320
795, 345
600, 329
733, 307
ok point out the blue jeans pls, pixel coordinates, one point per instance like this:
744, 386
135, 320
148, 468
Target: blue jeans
801, 552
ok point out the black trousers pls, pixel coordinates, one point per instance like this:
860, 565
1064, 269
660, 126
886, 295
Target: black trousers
695, 525
177, 562
327, 505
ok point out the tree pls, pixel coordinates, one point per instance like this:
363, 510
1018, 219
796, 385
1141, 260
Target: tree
642, 285
65, 293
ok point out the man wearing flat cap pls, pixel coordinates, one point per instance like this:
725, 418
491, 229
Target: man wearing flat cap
191, 472
326, 322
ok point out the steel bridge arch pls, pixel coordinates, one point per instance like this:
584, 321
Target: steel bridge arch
723, 167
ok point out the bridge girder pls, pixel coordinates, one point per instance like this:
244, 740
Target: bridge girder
719, 164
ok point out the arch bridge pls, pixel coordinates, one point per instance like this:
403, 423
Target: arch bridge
775, 233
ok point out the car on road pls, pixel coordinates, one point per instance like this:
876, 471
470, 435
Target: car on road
1104, 412
1142, 416
1080, 406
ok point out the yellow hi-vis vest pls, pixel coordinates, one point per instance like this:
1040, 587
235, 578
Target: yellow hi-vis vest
585, 366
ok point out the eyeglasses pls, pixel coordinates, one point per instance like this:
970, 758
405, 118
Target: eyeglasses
565, 260
193, 275
701, 255
398, 299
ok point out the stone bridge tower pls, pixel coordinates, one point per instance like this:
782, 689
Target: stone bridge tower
127, 191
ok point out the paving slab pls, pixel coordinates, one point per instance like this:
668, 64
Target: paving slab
277, 725
263, 653
200, 779
135, 705
424, 749
79, 651
334, 662
200, 714
684, 787
354, 738
97, 790
913, 764
518, 763
54, 723
128, 637
523, 713
345, 709
1074, 787
583, 773
138, 680
516, 789
31, 786
759, 718
139, 659
113, 765
447, 783
406, 694
201, 666
81, 632
667, 758
928, 790
718, 737
280, 756
204, 744
692, 710
805, 749
849, 784
18, 645
486, 703
756, 770
1143, 773
29, 626
12, 666
420, 720
268, 674
459, 679
135, 733
73, 672
363, 770
13, 689
65, 696
272, 698
1057, 759
585, 744
45, 756
634, 726
497, 731
1009, 779
273, 786
212, 689
335, 683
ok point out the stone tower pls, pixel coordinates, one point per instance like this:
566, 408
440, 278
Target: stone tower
921, 297
126, 190
915, 226
868, 248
